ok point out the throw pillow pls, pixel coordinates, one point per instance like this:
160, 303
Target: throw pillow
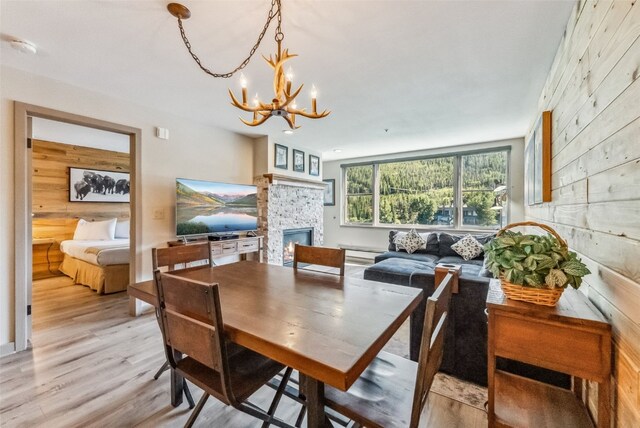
95, 230
430, 240
411, 242
468, 247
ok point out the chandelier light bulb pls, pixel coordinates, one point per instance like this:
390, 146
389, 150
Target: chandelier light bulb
243, 84
256, 100
314, 95
289, 74
294, 105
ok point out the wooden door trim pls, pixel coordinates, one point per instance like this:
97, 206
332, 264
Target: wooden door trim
22, 206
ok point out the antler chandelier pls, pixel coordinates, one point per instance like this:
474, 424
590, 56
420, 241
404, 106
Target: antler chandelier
284, 102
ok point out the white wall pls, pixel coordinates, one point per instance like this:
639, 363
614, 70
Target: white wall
67, 133
194, 151
377, 237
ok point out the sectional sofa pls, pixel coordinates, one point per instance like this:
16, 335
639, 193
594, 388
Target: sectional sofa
465, 348
465, 351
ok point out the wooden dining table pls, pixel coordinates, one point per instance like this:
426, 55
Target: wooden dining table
327, 327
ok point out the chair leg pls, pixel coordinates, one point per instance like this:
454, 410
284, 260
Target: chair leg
301, 415
164, 367
253, 410
187, 393
278, 396
196, 411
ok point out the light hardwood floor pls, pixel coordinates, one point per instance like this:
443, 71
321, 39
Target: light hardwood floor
92, 365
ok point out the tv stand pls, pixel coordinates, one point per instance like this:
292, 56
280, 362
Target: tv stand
237, 246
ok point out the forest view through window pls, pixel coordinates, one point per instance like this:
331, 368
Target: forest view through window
424, 191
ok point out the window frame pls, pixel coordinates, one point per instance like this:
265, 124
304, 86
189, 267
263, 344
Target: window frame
457, 190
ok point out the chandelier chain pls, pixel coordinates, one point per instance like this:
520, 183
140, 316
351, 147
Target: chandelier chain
273, 12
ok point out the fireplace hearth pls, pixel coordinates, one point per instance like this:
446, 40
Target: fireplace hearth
291, 237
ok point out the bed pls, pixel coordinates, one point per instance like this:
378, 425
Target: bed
102, 265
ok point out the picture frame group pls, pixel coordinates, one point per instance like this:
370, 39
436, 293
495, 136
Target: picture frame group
281, 160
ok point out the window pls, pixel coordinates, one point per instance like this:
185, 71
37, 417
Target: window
416, 192
482, 176
455, 190
359, 193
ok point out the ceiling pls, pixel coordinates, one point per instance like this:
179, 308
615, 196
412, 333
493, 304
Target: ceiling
396, 75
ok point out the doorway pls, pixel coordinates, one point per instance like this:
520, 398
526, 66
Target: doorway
23, 118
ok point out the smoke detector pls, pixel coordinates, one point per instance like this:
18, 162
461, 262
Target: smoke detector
24, 46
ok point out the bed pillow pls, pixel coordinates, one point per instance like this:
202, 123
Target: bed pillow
468, 247
122, 230
95, 230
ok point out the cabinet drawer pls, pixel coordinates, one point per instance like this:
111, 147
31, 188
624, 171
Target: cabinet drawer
216, 249
247, 246
229, 247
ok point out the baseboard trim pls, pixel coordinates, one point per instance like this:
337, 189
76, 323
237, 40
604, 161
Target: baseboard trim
7, 349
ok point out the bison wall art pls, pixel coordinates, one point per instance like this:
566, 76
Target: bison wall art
90, 185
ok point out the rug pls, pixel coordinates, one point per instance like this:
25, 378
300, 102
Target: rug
460, 390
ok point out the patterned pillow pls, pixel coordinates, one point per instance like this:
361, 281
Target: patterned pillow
411, 242
468, 247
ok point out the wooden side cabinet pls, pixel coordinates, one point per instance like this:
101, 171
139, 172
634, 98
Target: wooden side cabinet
230, 247
572, 337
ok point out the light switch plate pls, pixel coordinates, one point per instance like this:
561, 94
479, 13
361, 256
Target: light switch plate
158, 214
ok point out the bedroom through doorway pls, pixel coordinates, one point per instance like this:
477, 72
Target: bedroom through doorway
80, 220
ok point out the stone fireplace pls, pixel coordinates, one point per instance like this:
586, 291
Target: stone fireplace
288, 204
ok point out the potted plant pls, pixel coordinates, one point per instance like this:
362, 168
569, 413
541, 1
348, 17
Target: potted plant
533, 268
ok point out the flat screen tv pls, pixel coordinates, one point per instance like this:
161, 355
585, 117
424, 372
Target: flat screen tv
207, 207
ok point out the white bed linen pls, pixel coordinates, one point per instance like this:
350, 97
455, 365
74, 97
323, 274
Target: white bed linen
107, 256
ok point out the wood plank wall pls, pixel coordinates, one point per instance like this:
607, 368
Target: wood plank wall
594, 92
53, 215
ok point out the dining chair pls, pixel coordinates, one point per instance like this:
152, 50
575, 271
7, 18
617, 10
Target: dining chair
330, 257
191, 324
392, 391
181, 255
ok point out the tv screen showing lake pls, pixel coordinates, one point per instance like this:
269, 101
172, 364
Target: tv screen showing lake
206, 207
209, 220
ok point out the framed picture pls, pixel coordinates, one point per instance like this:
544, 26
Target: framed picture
92, 185
330, 192
281, 157
298, 160
538, 162
314, 165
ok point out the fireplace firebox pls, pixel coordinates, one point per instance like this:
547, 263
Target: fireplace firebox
291, 237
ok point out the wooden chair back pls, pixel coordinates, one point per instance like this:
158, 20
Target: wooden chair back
331, 257
191, 323
432, 345
167, 258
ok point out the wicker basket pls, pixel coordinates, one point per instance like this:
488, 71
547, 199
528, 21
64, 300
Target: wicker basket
539, 296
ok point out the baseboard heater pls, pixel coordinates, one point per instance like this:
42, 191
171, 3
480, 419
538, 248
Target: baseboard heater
361, 252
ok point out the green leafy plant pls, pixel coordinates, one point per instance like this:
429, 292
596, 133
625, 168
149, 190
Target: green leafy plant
538, 261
